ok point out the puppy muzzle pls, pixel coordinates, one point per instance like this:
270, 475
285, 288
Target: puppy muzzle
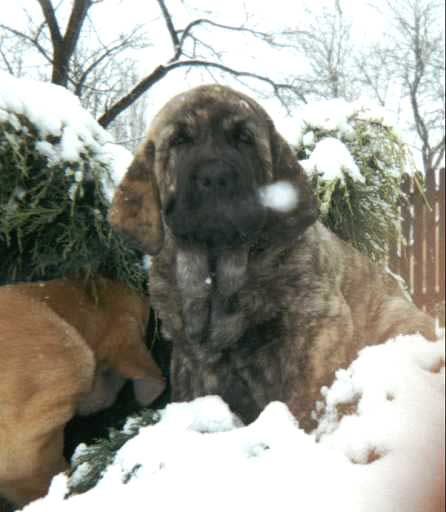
214, 204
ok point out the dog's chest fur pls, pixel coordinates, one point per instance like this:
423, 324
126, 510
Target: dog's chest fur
247, 377
248, 355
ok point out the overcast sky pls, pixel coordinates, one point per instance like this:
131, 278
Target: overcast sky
112, 17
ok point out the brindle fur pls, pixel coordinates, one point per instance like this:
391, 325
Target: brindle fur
268, 309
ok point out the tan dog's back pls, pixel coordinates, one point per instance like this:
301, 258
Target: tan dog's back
109, 315
57, 341
45, 369
69, 299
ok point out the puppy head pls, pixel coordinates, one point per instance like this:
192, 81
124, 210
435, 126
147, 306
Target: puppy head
210, 150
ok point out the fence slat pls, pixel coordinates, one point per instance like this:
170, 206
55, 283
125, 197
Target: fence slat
429, 242
422, 261
441, 236
418, 253
406, 231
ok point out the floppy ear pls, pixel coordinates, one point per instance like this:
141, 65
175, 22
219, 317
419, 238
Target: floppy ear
285, 167
133, 361
136, 209
124, 350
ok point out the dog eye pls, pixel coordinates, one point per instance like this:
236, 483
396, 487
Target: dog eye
240, 134
180, 138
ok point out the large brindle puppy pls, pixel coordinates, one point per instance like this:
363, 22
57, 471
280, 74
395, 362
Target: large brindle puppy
261, 304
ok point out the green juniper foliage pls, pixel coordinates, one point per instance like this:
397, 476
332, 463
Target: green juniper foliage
365, 213
53, 213
89, 462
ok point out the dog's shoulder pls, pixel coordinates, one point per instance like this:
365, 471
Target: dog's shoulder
343, 264
379, 303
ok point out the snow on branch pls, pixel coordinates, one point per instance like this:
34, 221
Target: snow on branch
58, 171
357, 160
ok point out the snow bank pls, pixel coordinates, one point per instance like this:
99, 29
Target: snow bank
65, 129
379, 447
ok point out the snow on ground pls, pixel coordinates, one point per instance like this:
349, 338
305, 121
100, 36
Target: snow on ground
57, 113
379, 447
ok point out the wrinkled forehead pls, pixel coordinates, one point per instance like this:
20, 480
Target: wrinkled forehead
209, 105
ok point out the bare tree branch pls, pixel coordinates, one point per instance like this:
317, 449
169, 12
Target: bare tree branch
108, 52
170, 27
84, 70
29, 39
161, 71
327, 45
6, 61
176, 61
267, 37
63, 46
50, 17
420, 42
75, 23
412, 58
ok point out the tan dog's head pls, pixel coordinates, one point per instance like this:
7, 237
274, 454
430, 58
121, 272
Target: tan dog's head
209, 154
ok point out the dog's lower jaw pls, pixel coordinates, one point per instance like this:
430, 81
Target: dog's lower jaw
231, 270
207, 285
192, 277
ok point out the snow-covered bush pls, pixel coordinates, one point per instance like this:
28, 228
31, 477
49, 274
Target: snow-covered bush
57, 171
357, 161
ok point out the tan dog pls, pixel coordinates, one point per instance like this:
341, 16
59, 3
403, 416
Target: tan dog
261, 302
66, 347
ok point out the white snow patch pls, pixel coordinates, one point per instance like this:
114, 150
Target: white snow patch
337, 114
200, 458
281, 196
119, 159
56, 112
147, 262
309, 138
331, 159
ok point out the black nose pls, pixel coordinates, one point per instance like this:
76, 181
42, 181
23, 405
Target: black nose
215, 177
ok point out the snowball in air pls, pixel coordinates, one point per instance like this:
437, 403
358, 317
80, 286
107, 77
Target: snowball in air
281, 196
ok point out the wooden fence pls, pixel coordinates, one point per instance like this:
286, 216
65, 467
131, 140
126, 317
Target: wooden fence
422, 261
